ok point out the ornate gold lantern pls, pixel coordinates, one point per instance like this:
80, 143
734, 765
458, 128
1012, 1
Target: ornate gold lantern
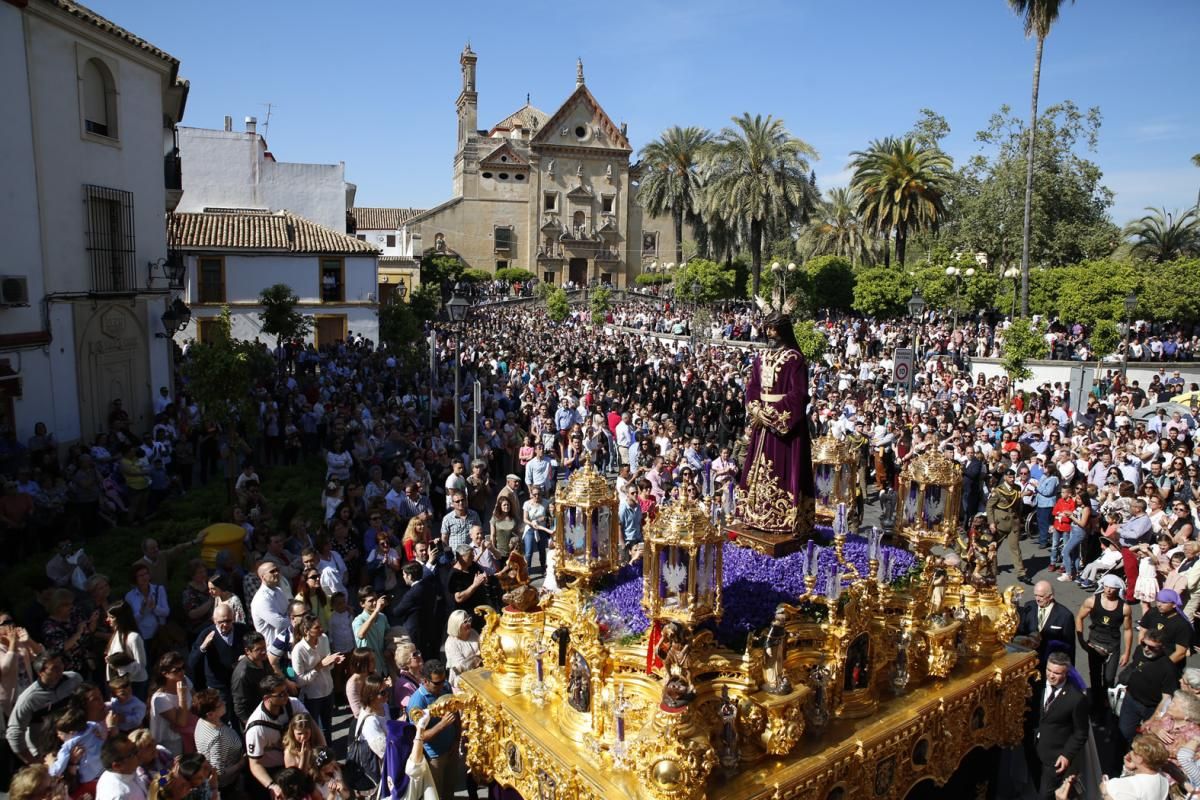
834, 475
682, 565
587, 535
929, 502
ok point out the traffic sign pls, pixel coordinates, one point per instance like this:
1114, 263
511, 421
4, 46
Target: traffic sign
902, 369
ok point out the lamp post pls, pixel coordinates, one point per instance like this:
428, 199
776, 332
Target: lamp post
916, 307
958, 275
1131, 300
1015, 274
457, 306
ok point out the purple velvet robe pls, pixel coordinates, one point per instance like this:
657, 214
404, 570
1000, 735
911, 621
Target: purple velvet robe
775, 492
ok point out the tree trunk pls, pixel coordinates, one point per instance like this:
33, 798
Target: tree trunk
887, 249
1037, 76
678, 236
756, 234
901, 243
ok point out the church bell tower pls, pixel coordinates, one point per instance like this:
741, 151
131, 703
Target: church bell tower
468, 124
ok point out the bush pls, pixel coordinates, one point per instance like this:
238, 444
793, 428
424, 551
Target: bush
830, 282
811, 340
882, 292
652, 279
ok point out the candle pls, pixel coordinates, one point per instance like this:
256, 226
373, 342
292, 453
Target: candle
839, 520
812, 557
540, 675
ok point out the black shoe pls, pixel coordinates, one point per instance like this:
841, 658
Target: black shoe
1025, 579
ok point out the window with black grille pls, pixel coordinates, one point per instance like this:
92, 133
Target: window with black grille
504, 240
110, 240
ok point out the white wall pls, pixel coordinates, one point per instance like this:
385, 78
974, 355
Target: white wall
1060, 371
379, 239
46, 159
246, 325
229, 169
247, 275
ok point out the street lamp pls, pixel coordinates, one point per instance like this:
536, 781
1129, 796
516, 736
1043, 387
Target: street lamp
916, 307
457, 306
957, 274
1014, 273
402, 290
1130, 306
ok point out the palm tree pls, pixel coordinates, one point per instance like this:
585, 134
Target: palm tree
838, 230
672, 182
1160, 236
1040, 16
757, 174
900, 184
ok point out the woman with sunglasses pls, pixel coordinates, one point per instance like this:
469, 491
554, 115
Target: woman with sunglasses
171, 721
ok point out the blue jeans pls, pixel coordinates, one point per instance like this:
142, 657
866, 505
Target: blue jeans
535, 540
1044, 514
1057, 538
1133, 714
1070, 558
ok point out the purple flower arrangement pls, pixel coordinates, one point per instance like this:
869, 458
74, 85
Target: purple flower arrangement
753, 586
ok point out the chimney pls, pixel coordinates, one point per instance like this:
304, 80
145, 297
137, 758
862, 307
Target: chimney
251, 124
228, 123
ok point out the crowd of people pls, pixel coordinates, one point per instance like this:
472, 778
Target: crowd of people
367, 609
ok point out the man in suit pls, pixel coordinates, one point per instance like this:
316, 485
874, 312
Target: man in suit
1062, 727
216, 651
419, 611
1046, 621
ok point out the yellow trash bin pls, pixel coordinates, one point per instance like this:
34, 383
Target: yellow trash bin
222, 536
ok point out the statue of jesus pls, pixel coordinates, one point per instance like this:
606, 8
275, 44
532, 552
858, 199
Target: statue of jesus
775, 493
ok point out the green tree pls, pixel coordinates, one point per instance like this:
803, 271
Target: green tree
400, 328
652, 279
557, 306
1171, 292
929, 129
512, 275
279, 316
1071, 221
1161, 236
441, 270
1104, 338
599, 302
671, 184
900, 184
1039, 16
758, 175
882, 292
703, 281
838, 230
475, 275
425, 300
811, 340
1095, 290
1023, 341
830, 282
222, 372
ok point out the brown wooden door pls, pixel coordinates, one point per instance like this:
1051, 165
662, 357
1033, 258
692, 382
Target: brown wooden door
330, 329
578, 271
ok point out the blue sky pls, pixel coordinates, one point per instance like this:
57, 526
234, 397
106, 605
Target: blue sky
373, 83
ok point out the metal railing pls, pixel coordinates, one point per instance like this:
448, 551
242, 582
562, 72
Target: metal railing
110, 237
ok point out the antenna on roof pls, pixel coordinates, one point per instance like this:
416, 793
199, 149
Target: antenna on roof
267, 121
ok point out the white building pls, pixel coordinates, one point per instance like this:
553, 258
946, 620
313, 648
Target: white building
400, 262
232, 255
87, 155
234, 169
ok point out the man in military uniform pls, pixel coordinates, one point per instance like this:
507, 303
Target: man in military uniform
1004, 519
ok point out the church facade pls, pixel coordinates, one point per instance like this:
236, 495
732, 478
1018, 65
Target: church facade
550, 193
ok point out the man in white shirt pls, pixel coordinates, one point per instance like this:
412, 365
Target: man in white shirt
624, 434
265, 729
119, 780
268, 609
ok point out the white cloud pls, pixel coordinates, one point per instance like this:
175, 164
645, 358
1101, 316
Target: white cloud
1157, 131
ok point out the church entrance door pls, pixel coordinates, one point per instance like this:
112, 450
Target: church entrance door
578, 271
